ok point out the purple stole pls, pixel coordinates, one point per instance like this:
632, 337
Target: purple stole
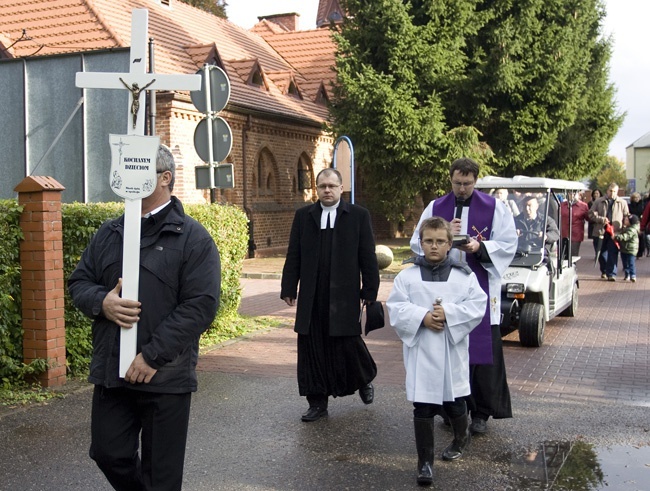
479, 227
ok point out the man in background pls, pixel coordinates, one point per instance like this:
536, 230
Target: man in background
331, 254
607, 215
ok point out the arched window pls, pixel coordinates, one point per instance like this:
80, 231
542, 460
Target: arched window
265, 174
305, 181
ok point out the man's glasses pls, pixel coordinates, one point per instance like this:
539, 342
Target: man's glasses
431, 242
328, 186
467, 184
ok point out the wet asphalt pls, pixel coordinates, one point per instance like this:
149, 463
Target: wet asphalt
590, 382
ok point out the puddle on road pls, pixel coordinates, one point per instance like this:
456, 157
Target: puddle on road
580, 466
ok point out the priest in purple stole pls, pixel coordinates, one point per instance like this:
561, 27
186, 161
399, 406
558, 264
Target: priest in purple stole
492, 246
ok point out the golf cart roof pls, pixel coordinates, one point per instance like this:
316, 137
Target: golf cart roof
524, 182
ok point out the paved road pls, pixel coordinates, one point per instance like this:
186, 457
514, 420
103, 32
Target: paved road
603, 354
589, 382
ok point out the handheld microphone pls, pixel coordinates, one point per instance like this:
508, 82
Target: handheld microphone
459, 207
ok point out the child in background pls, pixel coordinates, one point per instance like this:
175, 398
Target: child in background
628, 237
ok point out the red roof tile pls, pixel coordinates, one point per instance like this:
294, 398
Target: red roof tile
182, 35
311, 53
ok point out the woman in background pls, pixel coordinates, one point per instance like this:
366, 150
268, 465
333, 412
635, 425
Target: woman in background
595, 194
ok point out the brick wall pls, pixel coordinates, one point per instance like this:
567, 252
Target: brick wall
278, 143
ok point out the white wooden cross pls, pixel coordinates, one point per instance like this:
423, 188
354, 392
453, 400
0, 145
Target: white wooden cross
135, 81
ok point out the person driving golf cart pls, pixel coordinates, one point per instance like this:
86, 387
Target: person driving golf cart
530, 227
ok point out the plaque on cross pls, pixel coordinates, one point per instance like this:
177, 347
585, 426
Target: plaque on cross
135, 81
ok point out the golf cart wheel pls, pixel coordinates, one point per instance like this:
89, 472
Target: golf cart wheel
531, 325
572, 309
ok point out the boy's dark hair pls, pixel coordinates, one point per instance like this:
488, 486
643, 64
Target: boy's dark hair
634, 220
465, 166
436, 223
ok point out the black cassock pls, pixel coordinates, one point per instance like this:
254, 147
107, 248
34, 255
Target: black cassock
330, 365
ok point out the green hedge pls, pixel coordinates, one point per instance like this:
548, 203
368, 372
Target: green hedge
11, 339
227, 225
80, 222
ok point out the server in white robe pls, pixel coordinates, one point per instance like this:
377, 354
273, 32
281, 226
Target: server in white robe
489, 252
433, 307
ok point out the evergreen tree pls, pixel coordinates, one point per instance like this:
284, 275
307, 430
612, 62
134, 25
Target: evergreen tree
521, 85
393, 57
537, 88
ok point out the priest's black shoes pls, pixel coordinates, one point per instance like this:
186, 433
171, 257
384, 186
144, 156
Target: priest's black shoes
367, 394
314, 413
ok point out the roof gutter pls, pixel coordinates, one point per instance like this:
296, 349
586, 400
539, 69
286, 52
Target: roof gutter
278, 116
251, 236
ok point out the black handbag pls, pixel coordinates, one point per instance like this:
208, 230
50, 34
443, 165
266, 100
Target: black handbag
374, 316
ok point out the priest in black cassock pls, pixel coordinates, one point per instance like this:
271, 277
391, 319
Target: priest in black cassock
332, 255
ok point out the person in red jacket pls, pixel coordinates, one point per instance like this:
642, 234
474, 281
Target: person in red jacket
579, 215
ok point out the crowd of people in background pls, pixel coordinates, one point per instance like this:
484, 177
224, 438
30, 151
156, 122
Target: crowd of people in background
617, 226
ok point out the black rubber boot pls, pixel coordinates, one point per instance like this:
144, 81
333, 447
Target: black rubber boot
424, 444
446, 423
462, 438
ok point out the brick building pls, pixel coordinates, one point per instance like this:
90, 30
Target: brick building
280, 84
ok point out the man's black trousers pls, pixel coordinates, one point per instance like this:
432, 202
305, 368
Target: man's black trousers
122, 417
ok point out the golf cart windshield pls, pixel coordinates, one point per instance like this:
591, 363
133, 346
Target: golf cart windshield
530, 209
534, 203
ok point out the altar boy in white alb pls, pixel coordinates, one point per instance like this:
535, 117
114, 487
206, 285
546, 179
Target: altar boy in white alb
433, 306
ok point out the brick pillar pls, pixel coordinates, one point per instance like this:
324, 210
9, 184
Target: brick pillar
41, 260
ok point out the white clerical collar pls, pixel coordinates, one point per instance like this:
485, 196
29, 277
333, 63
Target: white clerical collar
328, 211
156, 210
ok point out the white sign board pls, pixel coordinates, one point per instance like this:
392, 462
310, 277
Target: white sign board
133, 165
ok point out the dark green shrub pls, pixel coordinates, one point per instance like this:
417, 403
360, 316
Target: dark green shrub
228, 226
11, 329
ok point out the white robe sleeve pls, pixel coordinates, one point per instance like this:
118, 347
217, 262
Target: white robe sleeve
406, 317
465, 312
410, 299
502, 244
415, 238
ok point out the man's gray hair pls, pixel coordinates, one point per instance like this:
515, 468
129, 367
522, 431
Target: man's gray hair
164, 162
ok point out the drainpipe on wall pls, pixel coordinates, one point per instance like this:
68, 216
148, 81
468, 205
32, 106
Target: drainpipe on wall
152, 93
251, 237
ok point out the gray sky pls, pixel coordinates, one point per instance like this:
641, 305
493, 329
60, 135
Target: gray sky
628, 22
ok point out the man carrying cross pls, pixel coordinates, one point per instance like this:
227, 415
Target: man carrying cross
180, 276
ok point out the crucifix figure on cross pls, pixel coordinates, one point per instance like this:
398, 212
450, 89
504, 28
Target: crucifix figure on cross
136, 81
135, 95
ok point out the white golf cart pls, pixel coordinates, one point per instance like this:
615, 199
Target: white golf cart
542, 280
